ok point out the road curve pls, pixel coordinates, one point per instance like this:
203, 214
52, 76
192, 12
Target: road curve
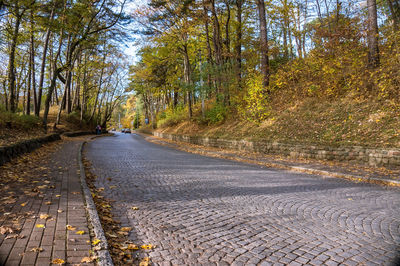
199, 210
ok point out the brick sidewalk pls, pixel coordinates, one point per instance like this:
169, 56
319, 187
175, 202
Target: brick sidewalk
42, 208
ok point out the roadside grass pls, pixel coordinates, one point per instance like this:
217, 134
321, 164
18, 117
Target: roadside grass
16, 127
346, 121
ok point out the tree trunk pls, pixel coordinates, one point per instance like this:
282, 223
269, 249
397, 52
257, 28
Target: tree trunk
42, 68
11, 63
187, 74
56, 72
238, 47
394, 7
32, 62
373, 54
263, 44
209, 52
217, 46
28, 96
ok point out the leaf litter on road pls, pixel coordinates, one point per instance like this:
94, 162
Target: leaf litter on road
123, 251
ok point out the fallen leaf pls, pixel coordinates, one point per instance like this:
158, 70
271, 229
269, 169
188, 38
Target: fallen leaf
133, 247
47, 202
40, 226
135, 208
23, 204
95, 242
6, 229
80, 232
44, 216
58, 195
70, 227
87, 259
144, 262
11, 236
75, 192
112, 187
38, 249
58, 261
126, 229
149, 246
60, 211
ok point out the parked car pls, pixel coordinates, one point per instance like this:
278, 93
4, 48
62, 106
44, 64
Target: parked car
127, 131
123, 130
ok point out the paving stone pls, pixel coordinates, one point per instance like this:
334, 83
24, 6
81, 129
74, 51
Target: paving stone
213, 204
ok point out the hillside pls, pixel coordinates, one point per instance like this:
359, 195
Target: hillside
16, 127
340, 122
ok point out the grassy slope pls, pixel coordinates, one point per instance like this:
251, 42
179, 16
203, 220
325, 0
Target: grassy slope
14, 128
339, 122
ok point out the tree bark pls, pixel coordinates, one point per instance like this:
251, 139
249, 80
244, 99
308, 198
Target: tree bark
187, 74
372, 35
238, 47
209, 52
264, 49
42, 68
394, 7
11, 62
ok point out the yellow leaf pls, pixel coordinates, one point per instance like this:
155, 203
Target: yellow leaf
80, 232
47, 202
350, 199
58, 261
37, 249
133, 247
149, 246
23, 204
126, 229
135, 208
95, 242
40, 226
44, 216
58, 195
112, 187
70, 227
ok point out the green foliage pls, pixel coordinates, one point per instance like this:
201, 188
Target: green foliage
14, 120
216, 114
255, 105
171, 116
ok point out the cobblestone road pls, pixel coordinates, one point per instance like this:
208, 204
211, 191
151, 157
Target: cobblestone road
200, 210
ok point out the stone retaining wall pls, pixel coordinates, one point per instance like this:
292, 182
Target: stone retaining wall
360, 155
14, 150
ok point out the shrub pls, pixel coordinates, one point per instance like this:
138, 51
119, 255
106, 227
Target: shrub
216, 114
171, 116
13, 120
255, 106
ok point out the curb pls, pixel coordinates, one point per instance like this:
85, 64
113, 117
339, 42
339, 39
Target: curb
354, 178
299, 169
104, 257
7, 153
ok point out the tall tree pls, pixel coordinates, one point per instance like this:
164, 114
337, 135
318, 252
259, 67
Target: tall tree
373, 48
264, 48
